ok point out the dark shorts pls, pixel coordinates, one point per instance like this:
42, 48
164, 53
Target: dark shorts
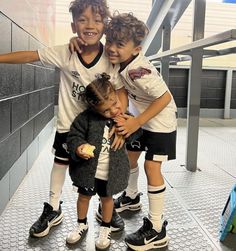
158, 146
60, 148
100, 189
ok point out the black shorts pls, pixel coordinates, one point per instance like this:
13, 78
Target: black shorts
158, 146
60, 148
100, 189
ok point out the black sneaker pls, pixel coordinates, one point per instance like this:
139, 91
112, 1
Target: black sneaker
47, 219
124, 202
147, 238
117, 223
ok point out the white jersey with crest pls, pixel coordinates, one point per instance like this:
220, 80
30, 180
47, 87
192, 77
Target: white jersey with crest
144, 84
75, 75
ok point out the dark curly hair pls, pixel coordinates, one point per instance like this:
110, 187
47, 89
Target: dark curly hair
77, 7
125, 27
98, 91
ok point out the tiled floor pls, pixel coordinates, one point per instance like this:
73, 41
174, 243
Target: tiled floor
194, 201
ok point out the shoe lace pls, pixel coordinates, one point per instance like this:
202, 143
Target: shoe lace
45, 214
104, 233
145, 229
80, 228
121, 198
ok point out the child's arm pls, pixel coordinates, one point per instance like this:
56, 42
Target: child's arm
76, 139
155, 107
131, 124
19, 57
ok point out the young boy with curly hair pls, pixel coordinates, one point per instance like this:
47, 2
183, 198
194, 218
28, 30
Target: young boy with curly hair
155, 112
89, 18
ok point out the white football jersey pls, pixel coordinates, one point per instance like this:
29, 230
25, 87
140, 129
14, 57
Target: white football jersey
144, 84
75, 75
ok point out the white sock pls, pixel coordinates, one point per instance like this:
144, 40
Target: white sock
156, 205
58, 175
132, 188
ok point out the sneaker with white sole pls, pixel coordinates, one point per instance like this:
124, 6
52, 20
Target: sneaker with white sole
124, 202
75, 235
104, 238
117, 223
47, 219
147, 237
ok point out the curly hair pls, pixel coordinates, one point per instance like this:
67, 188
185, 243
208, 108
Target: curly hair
98, 91
77, 7
125, 27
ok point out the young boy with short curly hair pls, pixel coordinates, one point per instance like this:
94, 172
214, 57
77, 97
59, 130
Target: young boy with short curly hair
76, 72
155, 112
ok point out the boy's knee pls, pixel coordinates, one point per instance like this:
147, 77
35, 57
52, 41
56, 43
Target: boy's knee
106, 199
84, 198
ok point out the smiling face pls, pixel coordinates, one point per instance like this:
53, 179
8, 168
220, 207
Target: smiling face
124, 35
89, 26
121, 52
111, 107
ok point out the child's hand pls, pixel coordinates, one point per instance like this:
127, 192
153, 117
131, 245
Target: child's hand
85, 151
76, 44
127, 125
118, 141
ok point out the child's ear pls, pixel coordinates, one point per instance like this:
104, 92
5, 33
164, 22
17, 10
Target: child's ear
73, 27
136, 50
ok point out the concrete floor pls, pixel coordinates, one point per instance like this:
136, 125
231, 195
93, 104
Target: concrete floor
194, 201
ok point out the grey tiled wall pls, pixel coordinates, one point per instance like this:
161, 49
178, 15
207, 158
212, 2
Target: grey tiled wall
233, 96
178, 84
26, 97
212, 82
